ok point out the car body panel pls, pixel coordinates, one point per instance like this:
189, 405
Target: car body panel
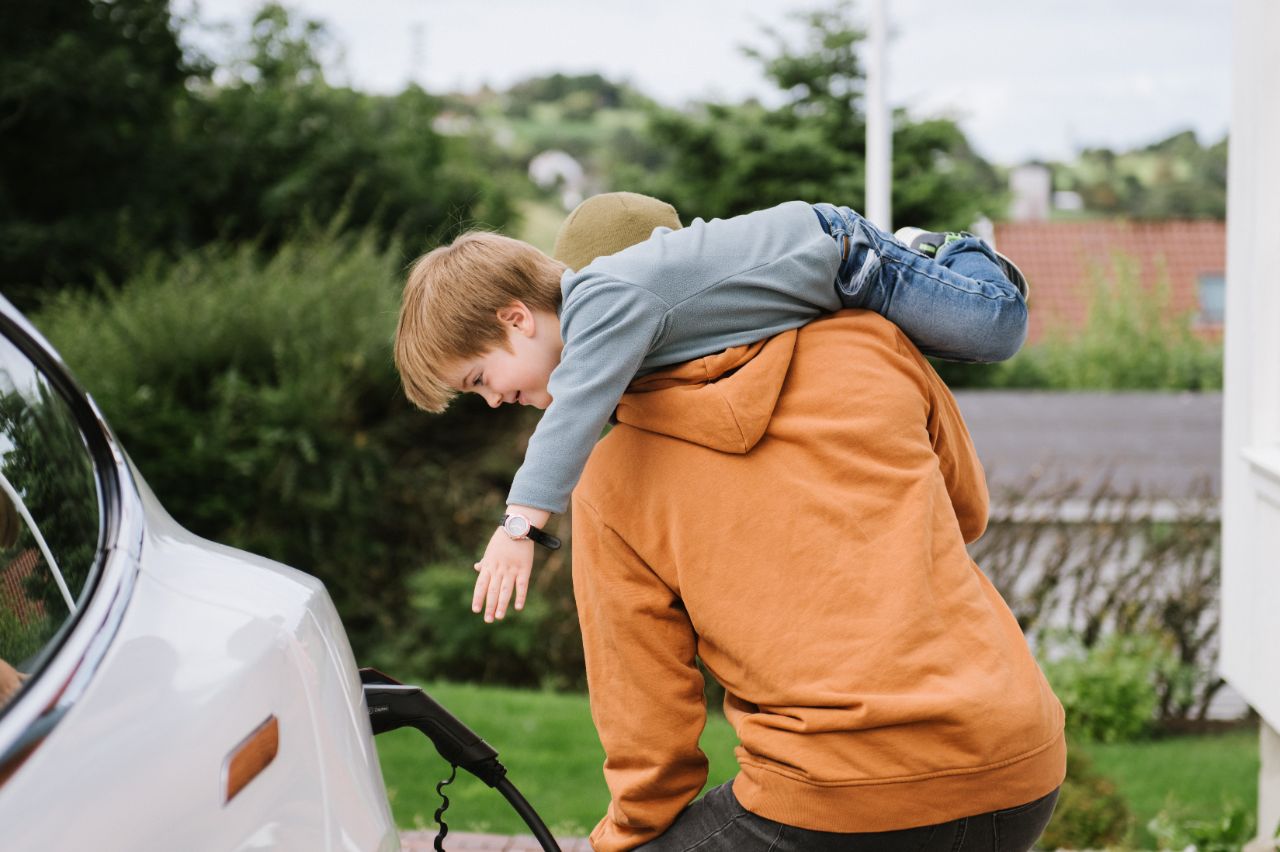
213, 642
180, 651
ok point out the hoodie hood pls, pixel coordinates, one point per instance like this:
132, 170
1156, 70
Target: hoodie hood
722, 401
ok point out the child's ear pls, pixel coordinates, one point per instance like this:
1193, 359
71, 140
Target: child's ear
518, 316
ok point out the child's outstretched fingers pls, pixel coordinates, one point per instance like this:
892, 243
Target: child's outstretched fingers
504, 595
491, 598
522, 590
482, 588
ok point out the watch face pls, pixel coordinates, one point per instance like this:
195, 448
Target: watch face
517, 526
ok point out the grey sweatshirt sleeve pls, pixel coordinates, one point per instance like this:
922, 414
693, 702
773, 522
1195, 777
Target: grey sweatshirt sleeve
608, 328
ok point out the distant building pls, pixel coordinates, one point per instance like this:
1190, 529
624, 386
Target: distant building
1032, 189
1064, 260
558, 170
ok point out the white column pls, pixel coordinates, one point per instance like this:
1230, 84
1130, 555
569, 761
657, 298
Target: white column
1250, 632
1268, 789
879, 207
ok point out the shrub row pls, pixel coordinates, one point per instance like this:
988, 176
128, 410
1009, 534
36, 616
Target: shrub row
259, 400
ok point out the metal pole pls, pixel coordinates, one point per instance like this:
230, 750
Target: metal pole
879, 208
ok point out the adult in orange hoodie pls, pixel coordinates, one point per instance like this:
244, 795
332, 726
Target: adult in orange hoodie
800, 526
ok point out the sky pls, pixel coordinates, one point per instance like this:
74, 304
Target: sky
1025, 79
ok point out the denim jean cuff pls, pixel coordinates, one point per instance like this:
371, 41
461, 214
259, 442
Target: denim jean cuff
969, 243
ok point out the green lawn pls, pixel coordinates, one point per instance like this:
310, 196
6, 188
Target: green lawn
1193, 775
551, 752
549, 746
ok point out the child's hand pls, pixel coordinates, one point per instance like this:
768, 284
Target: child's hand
504, 568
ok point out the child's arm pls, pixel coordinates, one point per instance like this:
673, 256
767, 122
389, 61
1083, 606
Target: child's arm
608, 328
505, 568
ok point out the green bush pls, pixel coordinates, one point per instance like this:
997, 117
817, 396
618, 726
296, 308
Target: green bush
451, 642
1090, 814
260, 401
1227, 832
1109, 690
20, 642
538, 646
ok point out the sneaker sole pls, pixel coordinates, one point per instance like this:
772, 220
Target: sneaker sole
908, 235
1014, 274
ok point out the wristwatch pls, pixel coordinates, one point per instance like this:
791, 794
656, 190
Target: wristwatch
519, 528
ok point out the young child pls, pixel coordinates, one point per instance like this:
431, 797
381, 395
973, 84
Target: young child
633, 292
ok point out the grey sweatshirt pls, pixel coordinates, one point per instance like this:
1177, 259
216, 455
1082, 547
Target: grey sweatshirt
677, 296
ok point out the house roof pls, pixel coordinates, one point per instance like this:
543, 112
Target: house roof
13, 594
1062, 261
1161, 446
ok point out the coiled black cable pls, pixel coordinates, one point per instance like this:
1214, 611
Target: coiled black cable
444, 805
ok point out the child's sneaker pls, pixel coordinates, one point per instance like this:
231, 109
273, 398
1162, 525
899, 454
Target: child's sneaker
929, 243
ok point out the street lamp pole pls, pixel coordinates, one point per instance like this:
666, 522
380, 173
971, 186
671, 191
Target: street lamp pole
879, 207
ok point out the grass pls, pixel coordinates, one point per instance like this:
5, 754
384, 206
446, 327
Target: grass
1193, 775
549, 746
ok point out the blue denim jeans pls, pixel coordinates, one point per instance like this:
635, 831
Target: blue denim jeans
717, 823
959, 305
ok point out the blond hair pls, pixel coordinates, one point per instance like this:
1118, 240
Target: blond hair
449, 311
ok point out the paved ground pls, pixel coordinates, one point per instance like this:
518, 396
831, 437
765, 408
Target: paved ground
424, 841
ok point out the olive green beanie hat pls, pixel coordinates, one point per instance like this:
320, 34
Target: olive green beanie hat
608, 223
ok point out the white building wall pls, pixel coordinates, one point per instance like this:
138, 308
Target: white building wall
1251, 414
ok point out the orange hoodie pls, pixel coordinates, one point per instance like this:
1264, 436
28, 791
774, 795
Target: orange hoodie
794, 513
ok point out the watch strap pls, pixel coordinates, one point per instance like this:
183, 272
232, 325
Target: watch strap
539, 536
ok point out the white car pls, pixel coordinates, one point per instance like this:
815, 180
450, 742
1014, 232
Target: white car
157, 691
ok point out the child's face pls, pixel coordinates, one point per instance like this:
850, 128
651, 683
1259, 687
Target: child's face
518, 374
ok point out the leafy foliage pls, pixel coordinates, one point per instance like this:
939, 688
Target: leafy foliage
727, 159
540, 646
47, 464
1090, 813
259, 400
1229, 831
88, 91
1174, 178
275, 144
579, 96
19, 640
116, 144
1109, 690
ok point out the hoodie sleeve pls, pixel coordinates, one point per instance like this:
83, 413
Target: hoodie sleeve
961, 469
646, 690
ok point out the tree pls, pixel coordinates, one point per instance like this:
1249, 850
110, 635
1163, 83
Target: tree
726, 159
275, 145
1174, 178
115, 146
87, 93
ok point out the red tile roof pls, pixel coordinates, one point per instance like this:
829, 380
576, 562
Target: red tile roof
1062, 261
13, 593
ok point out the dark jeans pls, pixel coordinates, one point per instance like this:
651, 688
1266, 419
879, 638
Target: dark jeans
717, 823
